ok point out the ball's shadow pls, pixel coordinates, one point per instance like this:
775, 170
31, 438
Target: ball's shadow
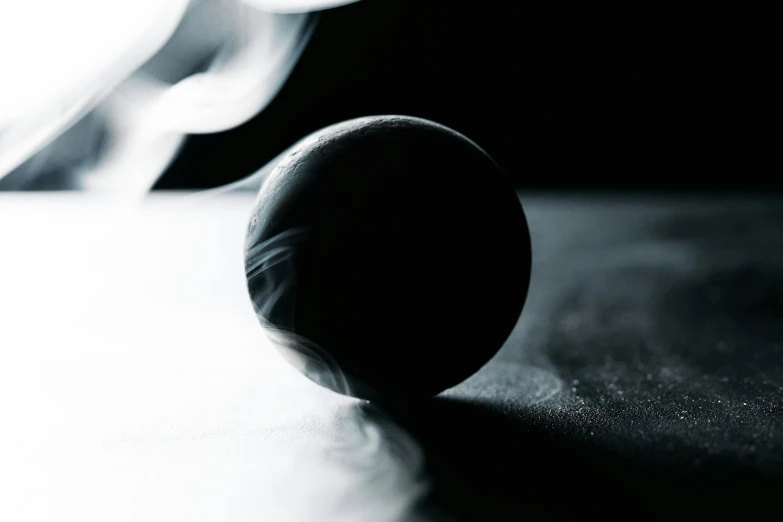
488, 464
485, 464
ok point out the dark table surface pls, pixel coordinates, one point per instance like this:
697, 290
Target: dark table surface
643, 381
646, 371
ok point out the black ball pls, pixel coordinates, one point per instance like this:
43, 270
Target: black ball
388, 257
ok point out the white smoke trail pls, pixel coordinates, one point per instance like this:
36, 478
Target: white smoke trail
171, 69
60, 59
296, 6
152, 119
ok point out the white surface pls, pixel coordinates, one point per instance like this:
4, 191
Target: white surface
136, 384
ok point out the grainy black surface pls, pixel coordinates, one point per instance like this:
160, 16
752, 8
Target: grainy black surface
644, 381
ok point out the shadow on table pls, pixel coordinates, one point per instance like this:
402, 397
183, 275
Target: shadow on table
486, 464
690, 321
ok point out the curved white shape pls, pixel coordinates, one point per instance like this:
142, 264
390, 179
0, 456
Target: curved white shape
150, 119
296, 6
62, 58
233, 92
138, 81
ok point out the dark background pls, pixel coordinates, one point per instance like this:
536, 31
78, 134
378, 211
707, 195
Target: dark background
562, 98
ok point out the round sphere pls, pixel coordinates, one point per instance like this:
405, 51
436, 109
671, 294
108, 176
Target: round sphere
388, 257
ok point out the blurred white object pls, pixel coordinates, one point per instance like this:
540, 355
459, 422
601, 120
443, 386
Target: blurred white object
150, 117
144, 73
296, 6
59, 59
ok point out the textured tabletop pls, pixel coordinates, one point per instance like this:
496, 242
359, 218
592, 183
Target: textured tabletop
647, 369
646, 374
